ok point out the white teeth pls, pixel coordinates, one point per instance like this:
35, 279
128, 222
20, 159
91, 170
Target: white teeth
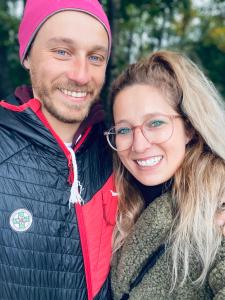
149, 162
74, 94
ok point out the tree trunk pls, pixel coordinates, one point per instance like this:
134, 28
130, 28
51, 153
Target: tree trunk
113, 9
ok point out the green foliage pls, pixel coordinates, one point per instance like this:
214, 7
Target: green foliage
143, 26
11, 72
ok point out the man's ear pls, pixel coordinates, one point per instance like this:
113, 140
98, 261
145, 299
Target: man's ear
26, 63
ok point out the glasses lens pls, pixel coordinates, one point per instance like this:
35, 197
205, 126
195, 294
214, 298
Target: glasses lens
120, 137
158, 129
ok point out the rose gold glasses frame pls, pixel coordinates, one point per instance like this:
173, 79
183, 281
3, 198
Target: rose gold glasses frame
107, 133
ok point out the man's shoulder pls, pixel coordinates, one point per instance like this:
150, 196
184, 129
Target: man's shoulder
11, 139
11, 142
20, 95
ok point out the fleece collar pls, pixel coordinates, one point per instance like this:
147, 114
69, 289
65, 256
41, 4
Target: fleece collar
149, 232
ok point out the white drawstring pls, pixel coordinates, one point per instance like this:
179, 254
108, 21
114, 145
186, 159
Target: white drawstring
75, 196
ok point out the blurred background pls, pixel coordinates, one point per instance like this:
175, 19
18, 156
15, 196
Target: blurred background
195, 27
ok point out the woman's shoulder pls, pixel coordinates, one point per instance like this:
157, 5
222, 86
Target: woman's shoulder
216, 276
157, 214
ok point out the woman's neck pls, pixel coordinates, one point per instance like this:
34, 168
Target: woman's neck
150, 193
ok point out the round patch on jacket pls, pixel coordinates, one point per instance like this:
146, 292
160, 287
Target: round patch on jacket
21, 220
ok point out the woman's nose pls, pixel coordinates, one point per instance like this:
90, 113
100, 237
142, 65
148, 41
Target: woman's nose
140, 142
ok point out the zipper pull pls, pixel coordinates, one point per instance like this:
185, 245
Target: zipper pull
71, 173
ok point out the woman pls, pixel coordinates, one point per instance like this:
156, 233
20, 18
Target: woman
169, 142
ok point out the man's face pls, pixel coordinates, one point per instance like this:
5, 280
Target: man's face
67, 64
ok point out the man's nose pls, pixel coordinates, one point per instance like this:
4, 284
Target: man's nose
79, 71
140, 142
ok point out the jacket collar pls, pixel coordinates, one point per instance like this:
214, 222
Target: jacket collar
96, 115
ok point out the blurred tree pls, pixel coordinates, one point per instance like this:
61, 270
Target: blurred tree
11, 72
142, 26
210, 48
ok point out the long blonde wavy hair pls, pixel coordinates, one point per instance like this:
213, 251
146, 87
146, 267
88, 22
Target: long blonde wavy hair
198, 190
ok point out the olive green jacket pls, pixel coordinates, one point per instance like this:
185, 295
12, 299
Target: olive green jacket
150, 231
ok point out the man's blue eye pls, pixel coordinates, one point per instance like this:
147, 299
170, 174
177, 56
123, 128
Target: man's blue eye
96, 58
123, 130
61, 52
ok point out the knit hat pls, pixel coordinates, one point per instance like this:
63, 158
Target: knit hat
36, 12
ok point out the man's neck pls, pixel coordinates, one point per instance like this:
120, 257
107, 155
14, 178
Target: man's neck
65, 131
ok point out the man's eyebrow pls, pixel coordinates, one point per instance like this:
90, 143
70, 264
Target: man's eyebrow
70, 42
64, 40
100, 48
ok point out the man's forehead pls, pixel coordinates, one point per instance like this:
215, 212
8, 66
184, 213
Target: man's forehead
69, 24
73, 17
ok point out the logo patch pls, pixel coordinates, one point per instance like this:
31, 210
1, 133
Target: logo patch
21, 220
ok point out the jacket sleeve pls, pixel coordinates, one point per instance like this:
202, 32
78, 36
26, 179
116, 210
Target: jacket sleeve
217, 274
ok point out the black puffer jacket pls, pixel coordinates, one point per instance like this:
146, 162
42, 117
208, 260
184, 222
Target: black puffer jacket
48, 250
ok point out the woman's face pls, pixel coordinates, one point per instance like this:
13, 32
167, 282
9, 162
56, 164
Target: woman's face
149, 162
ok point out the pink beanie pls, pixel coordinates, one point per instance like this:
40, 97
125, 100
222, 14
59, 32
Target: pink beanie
36, 12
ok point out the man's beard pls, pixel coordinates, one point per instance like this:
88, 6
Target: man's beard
44, 94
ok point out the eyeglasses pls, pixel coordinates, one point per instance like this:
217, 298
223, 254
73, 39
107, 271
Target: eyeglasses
157, 129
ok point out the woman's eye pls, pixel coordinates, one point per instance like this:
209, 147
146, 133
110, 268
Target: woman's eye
155, 123
123, 130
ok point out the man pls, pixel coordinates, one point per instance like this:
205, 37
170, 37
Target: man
57, 206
